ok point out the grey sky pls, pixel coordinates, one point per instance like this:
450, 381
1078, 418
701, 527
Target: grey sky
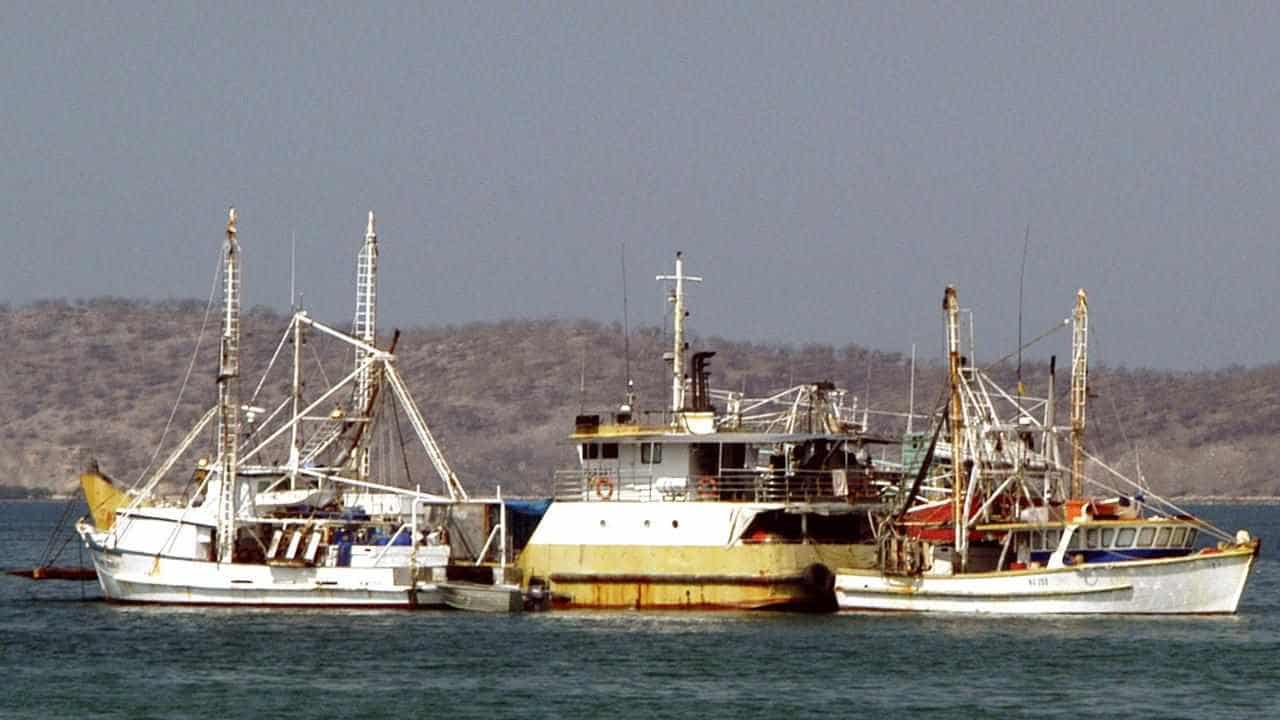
827, 167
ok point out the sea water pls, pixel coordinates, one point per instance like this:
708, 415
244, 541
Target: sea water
66, 654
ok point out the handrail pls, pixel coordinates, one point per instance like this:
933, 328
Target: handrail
605, 484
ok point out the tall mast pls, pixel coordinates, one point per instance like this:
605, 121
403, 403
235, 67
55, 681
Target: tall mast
365, 329
1079, 389
951, 306
229, 394
678, 343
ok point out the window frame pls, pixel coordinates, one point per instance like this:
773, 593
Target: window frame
651, 453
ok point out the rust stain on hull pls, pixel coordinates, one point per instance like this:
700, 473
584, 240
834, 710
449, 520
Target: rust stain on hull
691, 578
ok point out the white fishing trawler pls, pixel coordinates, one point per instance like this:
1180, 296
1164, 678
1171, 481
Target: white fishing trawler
717, 501
993, 522
288, 511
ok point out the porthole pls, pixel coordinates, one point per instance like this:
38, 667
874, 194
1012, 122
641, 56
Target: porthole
675, 523
646, 523
601, 523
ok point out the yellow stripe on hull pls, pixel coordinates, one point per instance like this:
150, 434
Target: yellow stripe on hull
690, 577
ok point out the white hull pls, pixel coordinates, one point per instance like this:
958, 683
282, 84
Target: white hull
1195, 584
135, 578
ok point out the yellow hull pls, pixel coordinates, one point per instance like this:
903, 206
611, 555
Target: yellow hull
743, 576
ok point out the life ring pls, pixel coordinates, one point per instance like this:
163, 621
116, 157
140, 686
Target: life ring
707, 487
604, 486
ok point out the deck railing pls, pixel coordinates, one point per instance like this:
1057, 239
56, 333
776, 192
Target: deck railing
728, 485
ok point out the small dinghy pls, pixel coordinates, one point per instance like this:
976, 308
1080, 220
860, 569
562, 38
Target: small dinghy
478, 597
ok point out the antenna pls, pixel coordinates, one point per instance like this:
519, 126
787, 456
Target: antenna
911, 396
582, 381
866, 401
1026, 240
626, 332
293, 270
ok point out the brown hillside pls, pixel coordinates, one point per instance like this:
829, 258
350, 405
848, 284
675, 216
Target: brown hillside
100, 378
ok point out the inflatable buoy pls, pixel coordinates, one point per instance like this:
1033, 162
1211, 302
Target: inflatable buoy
604, 487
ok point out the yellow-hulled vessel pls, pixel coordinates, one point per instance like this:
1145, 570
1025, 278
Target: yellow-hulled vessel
749, 507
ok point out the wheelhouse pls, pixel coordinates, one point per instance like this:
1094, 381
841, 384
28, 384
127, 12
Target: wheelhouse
1107, 541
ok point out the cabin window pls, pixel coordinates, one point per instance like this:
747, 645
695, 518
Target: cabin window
1191, 536
1075, 541
590, 451
1091, 538
609, 451
651, 453
1108, 537
1179, 537
1051, 539
1126, 537
733, 456
1146, 536
1162, 540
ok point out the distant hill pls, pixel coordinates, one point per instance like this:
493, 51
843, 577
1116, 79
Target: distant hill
99, 378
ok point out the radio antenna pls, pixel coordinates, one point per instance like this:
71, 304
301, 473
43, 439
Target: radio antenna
1026, 240
293, 271
626, 333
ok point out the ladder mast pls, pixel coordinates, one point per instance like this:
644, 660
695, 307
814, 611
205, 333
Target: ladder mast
229, 394
1079, 390
364, 328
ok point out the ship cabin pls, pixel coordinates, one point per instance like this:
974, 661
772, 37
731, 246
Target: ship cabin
1101, 541
690, 460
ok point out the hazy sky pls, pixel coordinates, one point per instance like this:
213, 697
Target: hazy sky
827, 167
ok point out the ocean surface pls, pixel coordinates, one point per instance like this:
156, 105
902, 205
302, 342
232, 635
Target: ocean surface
64, 653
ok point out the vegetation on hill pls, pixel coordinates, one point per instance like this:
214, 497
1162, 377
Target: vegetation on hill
99, 378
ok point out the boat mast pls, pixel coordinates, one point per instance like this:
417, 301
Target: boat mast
229, 394
952, 308
295, 391
678, 344
1079, 389
364, 328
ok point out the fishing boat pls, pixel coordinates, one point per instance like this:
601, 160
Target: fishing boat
289, 509
992, 521
714, 501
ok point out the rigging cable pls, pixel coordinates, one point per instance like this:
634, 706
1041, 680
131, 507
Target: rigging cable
50, 555
1124, 435
1066, 322
208, 308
